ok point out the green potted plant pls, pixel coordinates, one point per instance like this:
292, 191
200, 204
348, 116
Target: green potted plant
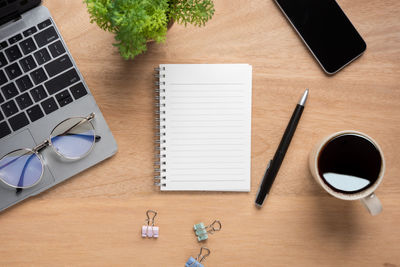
135, 22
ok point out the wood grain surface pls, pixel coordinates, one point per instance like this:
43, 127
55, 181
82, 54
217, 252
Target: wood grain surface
94, 219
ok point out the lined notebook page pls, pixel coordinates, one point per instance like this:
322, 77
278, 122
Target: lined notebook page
207, 126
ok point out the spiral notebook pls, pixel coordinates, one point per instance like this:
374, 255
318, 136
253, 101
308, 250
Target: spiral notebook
204, 127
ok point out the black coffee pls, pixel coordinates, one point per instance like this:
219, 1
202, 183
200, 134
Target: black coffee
349, 163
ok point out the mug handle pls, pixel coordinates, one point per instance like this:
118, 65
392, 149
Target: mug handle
372, 204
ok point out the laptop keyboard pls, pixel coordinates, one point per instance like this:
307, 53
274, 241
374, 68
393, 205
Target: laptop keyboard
37, 77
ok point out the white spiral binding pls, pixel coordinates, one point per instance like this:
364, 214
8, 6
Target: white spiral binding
160, 163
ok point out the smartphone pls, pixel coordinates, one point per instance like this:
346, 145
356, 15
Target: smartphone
326, 31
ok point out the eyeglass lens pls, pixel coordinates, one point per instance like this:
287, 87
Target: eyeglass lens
73, 138
21, 168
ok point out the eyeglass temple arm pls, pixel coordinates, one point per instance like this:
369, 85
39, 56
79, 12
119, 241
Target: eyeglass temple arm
12, 161
97, 138
21, 178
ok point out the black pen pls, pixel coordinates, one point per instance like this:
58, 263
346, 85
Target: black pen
275, 163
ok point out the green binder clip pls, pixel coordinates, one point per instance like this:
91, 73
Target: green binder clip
202, 231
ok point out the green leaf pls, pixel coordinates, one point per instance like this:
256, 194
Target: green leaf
134, 22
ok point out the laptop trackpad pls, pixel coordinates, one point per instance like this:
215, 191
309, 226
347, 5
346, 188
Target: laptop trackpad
10, 195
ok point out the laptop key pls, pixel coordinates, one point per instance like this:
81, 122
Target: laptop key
27, 46
9, 108
78, 90
29, 31
13, 53
44, 24
46, 36
3, 45
64, 98
3, 60
24, 83
38, 93
42, 56
4, 129
38, 76
18, 121
1, 100
15, 38
27, 63
24, 101
1, 116
3, 78
56, 49
35, 113
49, 105
62, 81
9, 90
58, 65
13, 71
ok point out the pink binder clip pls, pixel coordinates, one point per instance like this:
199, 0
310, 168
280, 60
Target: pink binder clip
150, 230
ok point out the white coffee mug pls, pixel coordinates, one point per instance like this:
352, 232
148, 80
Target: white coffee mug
367, 196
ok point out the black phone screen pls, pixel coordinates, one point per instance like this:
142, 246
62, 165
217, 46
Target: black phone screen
326, 30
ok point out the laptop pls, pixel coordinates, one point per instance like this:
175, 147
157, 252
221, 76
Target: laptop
41, 86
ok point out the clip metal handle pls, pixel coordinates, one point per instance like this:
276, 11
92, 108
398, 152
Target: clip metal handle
213, 226
151, 218
201, 257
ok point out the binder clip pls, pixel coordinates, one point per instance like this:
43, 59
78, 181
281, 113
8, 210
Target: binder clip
150, 230
203, 231
196, 262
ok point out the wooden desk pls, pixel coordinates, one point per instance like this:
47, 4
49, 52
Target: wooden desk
95, 218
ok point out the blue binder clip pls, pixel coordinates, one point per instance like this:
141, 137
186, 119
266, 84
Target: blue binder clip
202, 231
192, 262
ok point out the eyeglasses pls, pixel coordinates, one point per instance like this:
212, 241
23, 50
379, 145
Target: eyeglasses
72, 139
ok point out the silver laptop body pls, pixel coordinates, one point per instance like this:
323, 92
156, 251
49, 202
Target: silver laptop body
79, 103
